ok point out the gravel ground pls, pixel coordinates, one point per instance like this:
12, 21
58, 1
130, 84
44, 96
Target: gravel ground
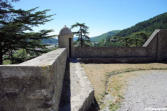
146, 92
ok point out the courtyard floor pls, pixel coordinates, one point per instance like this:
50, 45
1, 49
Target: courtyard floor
112, 82
146, 92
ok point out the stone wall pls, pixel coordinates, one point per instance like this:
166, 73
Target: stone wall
108, 52
153, 50
34, 85
151, 44
162, 45
157, 45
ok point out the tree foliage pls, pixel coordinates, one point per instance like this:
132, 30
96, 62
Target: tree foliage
16, 31
82, 34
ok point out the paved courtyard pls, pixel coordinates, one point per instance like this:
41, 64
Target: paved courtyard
146, 92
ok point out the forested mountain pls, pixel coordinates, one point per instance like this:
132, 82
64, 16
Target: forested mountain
136, 35
104, 36
157, 22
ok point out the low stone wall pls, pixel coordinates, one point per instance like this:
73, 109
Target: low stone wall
34, 85
153, 50
108, 52
117, 60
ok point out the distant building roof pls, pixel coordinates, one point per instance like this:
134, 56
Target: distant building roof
65, 31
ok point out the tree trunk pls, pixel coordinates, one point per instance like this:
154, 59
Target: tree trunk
81, 41
11, 56
81, 38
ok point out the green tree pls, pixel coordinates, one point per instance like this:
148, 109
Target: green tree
81, 33
16, 31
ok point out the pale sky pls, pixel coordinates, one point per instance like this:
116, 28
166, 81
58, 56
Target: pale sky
100, 15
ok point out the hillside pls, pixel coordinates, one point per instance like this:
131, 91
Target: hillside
104, 36
157, 22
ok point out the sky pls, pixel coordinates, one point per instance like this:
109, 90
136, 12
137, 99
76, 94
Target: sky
100, 16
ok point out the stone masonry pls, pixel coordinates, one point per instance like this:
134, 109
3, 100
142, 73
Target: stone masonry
153, 50
34, 85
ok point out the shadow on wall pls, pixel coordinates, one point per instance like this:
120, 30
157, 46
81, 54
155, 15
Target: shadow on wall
65, 102
94, 106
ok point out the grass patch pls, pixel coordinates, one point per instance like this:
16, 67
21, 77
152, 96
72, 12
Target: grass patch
114, 106
116, 86
5, 62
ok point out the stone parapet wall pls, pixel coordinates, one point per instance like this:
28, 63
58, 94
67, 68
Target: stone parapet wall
153, 50
157, 44
117, 60
108, 52
162, 46
34, 85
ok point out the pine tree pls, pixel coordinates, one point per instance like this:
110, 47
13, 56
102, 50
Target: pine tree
16, 31
81, 33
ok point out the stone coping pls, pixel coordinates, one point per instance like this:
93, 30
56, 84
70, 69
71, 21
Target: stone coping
82, 92
151, 37
46, 59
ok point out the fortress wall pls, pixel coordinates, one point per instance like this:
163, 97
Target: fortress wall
151, 44
108, 52
34, 85
155, 49
162, 46
157, 45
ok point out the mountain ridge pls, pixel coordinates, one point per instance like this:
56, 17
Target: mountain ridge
104, 36
149, 25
